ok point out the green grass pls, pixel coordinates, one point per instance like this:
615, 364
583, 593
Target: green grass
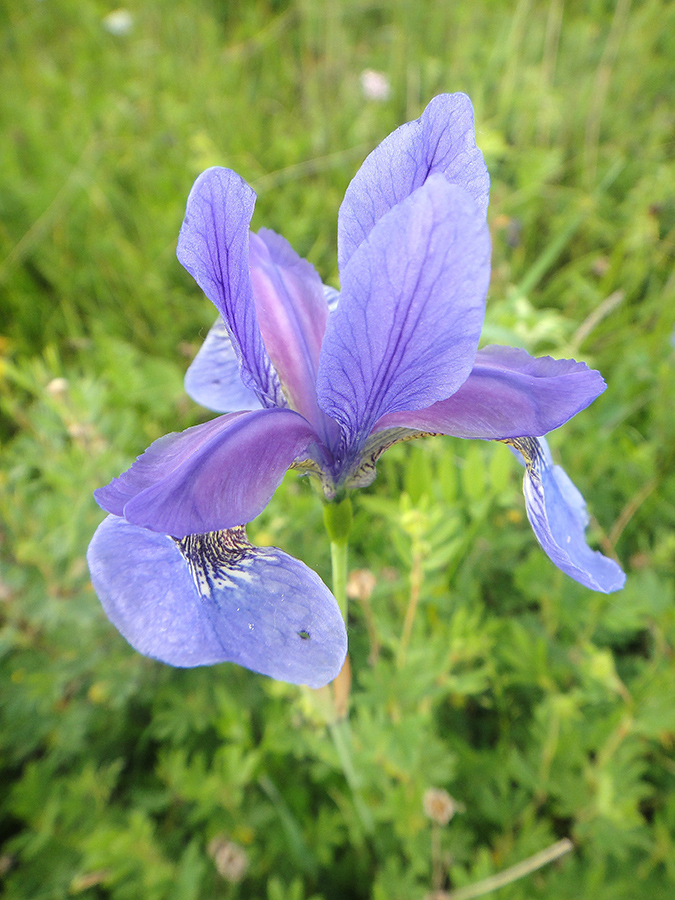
544, 709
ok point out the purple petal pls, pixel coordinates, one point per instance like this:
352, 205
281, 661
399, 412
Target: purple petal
213, 378
406, 330
557, 513
215, 598
441, 140
210, 477
508, 394
213, 247
292, 313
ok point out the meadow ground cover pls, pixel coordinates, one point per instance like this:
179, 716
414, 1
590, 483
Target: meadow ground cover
544, 709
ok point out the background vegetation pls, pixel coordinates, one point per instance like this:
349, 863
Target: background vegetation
544, 709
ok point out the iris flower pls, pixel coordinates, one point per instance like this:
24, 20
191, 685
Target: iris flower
324, 383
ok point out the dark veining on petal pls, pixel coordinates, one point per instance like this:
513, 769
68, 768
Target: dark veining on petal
217, 559
533, 456
533, 487
306, 467
528, 447
375, 446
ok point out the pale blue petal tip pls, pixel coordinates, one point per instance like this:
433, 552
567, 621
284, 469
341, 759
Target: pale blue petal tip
557, 513
213, 379
332, 297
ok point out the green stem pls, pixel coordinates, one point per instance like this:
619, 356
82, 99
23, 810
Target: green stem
338, 558
337, 518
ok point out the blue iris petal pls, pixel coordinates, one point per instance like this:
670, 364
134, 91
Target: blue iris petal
557, 513
213, 378
441, 142
406, 330
214, 598
339, 377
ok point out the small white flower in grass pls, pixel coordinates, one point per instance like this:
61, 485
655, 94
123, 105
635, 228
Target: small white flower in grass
57, 387
230, 858
439, 806
361, 584
119, 22
375, 85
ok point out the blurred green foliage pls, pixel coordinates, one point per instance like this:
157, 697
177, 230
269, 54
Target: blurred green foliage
544, 709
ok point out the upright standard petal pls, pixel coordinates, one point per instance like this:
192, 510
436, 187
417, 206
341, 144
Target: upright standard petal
210, 477
213, 379
508, 394
441, 140
557, 513
213, 246
406, 330
213, 598
292, 314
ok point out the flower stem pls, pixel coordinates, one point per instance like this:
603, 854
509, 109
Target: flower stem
520, 870
337, 518
437, 866
338, 558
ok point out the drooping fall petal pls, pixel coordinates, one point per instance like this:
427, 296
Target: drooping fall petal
557, 513
214, 598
